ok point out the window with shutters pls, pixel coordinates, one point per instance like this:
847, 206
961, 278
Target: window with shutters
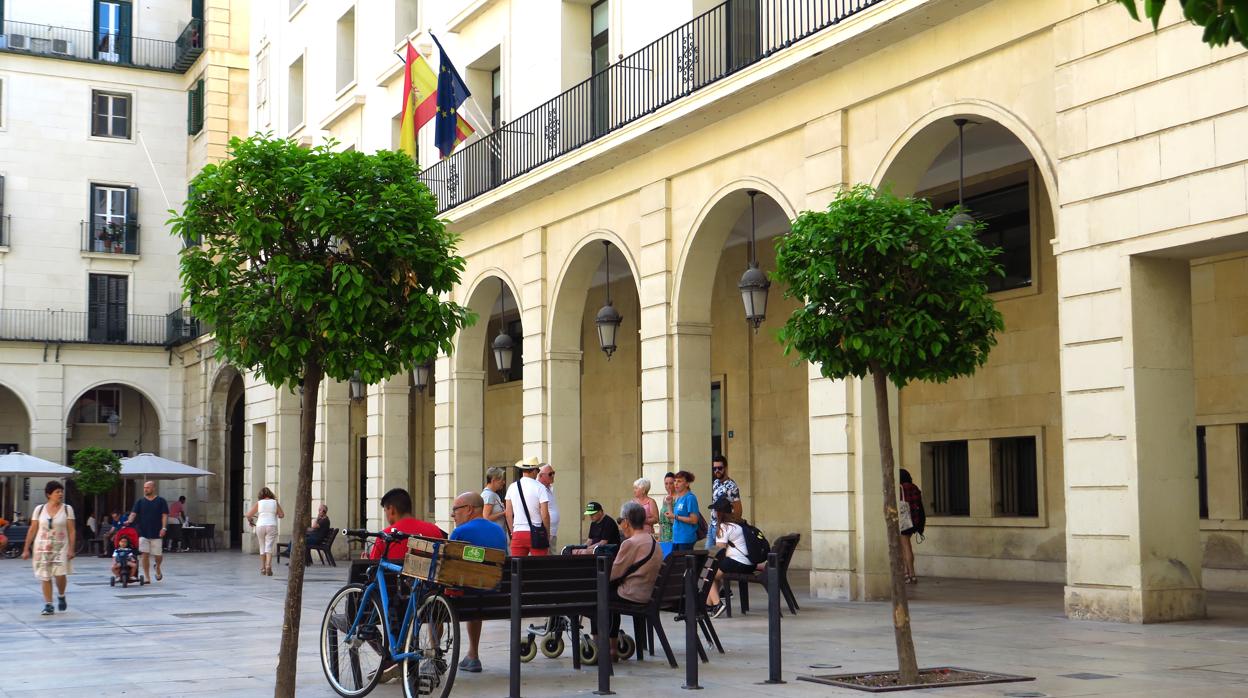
4, 217
946, 477
195, 108
111, 114
107, 306
97, 405
113, 23
113, 226
1014, 476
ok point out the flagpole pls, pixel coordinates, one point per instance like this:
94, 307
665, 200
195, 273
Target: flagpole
480, 130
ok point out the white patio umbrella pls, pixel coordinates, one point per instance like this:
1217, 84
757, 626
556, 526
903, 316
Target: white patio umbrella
24, 465
152, 467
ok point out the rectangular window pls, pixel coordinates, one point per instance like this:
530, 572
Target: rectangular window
1006, 214
1202, 472
110, 114
262, 82
1243, 471
717, 418
107, 308
114, 220
362, 482
195, 108
192, 452
113, 21
1014, 476
294, 95
4, 220
346, 50
946, 466
406, 18
98, 404
600, 60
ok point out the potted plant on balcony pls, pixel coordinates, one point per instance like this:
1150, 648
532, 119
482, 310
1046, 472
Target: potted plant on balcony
112, 237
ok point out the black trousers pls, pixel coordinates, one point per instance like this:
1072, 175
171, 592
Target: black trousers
613, 596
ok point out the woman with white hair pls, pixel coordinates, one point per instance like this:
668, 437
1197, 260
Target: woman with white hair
495, 510
641, 495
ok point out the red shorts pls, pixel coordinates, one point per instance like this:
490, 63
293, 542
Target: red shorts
521, 546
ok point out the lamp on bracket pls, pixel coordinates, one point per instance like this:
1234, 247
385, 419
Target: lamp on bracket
114, 424
754, 283
608, 319
504, 346
420, 376
960, 218
356, 386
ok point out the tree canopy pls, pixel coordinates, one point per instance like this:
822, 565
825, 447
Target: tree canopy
315, 254
98, 468
1224, 21
885, 285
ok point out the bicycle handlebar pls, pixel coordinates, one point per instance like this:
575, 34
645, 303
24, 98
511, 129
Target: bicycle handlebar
389, 537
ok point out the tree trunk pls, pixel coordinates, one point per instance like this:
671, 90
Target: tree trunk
288, 654
907, 663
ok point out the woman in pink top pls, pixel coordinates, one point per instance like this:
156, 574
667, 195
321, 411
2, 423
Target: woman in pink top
641, 495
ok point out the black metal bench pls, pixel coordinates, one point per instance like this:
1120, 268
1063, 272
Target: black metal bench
16, 534
323, 548
783, 547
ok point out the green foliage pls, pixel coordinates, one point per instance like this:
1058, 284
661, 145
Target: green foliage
887, 289
99, 470
311, 257
1224, 20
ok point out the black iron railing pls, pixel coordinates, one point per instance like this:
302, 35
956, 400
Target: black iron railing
712, 46
181, 327
83, 327
104, 47
113, 238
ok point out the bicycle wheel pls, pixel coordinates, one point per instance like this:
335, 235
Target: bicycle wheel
352, 658
435, 635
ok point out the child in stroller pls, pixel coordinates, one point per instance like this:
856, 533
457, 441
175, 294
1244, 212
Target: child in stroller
125, 558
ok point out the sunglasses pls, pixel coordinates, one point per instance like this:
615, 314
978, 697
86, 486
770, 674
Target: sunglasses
461, 506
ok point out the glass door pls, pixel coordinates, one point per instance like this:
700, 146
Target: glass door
112, 31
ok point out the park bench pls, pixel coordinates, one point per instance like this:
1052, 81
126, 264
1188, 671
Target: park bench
783, 548
16, 534
324, 549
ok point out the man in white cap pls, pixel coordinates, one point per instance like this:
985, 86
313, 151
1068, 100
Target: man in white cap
528, 507
546, 476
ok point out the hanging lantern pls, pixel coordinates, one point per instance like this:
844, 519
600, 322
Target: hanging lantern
356, 385
608, 319
961, 218
114, 424
420, 376
504, 345
754, 284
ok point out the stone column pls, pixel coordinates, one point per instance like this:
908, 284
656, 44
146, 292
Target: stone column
533, 319
331, 465
658, 358
691, 377
387, 426
564, 413
468, 435
1132, 532
444, 455
283, 460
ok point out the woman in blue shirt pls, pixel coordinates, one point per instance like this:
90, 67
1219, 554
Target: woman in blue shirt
685, 513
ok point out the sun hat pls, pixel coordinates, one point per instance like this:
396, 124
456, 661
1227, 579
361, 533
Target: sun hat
530, 463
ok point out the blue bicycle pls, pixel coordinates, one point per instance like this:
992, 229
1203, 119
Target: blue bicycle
361, 641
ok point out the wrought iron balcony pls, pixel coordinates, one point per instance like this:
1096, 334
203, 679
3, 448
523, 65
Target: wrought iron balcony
77, 327
101, 47
714, 45
113, 238
182, 327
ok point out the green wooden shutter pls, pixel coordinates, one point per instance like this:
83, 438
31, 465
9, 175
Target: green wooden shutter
132, 221
195, 108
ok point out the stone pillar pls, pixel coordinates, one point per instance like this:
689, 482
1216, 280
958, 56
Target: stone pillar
1132, 532
387, 426
331, 465
444, 455
283, 460
564, 413
533, 319
658, 397
691, 343
468, 440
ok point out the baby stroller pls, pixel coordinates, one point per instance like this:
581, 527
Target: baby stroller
552, 633
123, 560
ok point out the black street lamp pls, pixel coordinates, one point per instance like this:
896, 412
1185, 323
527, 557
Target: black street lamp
961, 218
420, 376
114, 423
356, 385
608, 319
754, 283
504, 345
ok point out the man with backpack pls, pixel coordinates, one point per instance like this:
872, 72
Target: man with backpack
746, 548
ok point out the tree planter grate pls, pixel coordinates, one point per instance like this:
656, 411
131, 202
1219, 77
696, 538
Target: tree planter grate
933, 677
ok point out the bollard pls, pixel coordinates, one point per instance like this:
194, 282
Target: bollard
603, 613
516, 620
773, 620
691, 623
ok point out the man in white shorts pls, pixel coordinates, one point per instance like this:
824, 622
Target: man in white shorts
152, 514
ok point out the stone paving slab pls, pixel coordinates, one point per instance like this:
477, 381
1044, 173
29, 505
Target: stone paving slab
132, 641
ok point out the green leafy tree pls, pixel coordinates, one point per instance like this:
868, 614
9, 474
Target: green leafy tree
317, 263
99, 470
888, 289
1224, 21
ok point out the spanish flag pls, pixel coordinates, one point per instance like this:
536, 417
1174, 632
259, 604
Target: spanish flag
420, 102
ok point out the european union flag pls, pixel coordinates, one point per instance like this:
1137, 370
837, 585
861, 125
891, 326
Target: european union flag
452, 92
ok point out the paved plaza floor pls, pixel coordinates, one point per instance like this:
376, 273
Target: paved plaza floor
212, 628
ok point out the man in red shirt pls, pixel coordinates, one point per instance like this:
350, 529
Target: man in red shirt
397, 504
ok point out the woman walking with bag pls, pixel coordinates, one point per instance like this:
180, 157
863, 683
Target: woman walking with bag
912, 520
264, 515
53, 537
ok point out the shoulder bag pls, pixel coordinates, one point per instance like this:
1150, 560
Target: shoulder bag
539, 537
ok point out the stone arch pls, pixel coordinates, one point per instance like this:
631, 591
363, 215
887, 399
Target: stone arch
480, 296
22, 398
144, 392
573, 281
910, 155
704, 241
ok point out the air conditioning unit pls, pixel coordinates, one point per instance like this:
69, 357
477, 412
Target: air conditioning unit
62, 47
20, 42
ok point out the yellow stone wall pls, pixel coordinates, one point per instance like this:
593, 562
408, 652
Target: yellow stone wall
504, 441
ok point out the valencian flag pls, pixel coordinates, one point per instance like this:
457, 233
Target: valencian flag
420, 93
449, 127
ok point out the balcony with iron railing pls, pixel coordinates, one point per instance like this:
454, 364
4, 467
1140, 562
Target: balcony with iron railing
106, 327
110, 238
710, 47
103, 47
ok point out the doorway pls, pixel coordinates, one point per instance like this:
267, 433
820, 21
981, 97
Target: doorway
235, 468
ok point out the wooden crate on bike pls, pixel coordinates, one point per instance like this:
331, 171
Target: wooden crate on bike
458, 564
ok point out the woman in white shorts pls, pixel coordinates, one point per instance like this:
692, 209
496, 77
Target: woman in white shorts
264, 515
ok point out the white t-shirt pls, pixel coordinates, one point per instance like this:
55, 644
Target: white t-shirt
554, 509
534, 494
732, 537
266, 510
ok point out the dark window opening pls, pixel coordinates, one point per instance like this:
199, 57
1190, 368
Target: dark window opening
600, 60
1007, 217
1014, 474
947, 469
1202, 472
106, 308
110, 114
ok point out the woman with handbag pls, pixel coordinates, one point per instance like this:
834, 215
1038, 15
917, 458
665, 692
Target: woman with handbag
50, 542
911, 520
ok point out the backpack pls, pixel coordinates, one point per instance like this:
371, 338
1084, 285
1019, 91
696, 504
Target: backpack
700, 534
756, 546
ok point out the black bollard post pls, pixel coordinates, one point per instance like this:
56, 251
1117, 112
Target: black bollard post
516, 620
603, 614
691, 622
773, 620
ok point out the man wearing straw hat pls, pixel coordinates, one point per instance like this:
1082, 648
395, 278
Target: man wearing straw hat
528, 509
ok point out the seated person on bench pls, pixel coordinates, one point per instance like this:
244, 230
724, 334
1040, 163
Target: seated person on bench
635, 568
397, 505
317, 532
471, 526
602, 529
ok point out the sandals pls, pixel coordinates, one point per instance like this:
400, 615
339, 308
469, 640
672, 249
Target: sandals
912, 579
